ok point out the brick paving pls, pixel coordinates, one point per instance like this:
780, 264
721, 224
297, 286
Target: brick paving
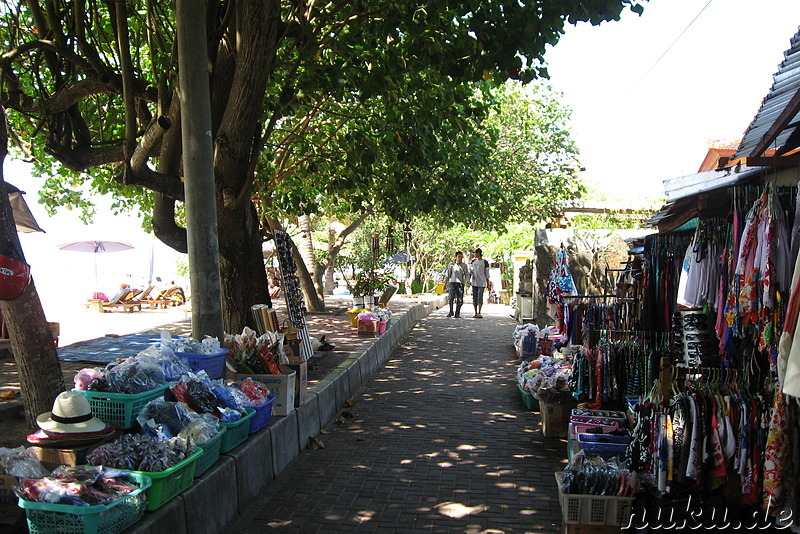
438, 442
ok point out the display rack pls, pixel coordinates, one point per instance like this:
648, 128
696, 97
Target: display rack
295, 306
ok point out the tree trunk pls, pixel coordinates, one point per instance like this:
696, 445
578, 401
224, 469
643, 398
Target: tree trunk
412, 273
40, 376
243, 278
305, 247
330, 281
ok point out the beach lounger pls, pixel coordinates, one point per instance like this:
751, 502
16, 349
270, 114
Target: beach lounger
123, 300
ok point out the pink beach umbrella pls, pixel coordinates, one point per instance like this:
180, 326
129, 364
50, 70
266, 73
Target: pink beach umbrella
95, 247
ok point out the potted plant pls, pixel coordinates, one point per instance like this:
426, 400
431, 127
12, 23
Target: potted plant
360, 289
368, 282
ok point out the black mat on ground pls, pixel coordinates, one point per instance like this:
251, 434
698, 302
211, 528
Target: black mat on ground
107, 349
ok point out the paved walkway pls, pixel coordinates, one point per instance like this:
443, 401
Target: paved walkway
438, 442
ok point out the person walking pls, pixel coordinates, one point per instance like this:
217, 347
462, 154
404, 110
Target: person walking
456, 276
479, 271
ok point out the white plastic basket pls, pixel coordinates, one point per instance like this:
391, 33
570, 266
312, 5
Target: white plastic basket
593, 509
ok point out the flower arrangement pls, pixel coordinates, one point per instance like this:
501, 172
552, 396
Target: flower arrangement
253, 354
382, 314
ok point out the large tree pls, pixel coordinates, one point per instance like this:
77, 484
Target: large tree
92, 85
506, 157
414, 151
91, 93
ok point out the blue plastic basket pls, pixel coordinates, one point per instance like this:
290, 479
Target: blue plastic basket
213, 364
529, 344
603, 444
263, 415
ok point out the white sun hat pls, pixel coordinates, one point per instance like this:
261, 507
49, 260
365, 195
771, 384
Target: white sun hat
71, 414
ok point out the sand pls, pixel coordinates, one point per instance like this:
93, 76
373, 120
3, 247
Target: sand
76, 323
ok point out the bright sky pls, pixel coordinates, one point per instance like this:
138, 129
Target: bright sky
639, 120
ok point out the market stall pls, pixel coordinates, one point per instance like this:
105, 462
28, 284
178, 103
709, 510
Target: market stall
682, 377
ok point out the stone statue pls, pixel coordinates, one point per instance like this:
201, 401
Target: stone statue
580, 265
526, 279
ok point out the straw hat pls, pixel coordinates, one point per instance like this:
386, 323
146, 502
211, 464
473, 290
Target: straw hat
71, 414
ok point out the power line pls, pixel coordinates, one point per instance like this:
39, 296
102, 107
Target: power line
669, 48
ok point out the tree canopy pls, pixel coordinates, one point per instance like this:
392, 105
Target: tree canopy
93, 99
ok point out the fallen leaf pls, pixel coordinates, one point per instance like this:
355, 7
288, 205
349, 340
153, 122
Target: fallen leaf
347, 413
350, 403
8, 394
324, 432
340, 420
315, 443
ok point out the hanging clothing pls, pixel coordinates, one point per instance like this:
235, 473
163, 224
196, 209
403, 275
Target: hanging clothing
775, 454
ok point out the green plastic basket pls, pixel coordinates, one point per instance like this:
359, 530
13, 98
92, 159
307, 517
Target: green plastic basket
211, 450
237, 432
120, 408
530, 402
170, 483
45, 518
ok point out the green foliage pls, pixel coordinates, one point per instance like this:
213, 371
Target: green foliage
353, 107
54, 143
371, 280
535, 160
182, 267
516, 236
417, 286
506, 152
611, 221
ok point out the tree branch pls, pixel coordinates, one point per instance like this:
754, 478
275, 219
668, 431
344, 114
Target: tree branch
83, 157
334, 249
124, 51
164, 226
71, 95
148, 144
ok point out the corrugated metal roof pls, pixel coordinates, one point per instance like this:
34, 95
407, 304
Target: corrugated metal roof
692, 184
705, 194
778, 117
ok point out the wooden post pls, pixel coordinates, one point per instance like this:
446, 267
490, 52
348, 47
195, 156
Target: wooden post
665, 379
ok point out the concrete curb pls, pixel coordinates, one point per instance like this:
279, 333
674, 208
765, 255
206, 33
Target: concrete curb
230, 485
